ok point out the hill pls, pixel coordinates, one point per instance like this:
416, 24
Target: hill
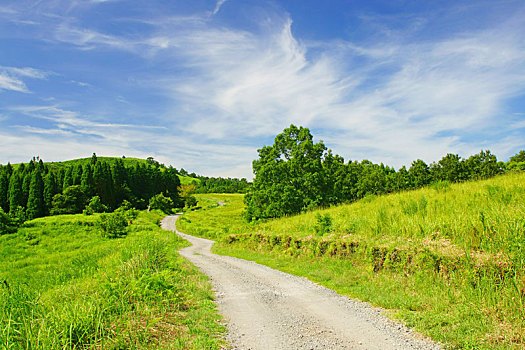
449, 259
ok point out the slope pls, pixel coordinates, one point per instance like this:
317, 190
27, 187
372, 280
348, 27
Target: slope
448, 259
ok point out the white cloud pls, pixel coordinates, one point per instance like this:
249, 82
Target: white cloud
10, 83
10, 77
218, 7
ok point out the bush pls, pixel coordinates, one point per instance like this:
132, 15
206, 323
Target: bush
113, 225
162, 203
190, 202
7, 225
323, 225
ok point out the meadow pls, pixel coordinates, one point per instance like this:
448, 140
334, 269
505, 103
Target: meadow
64, 286
448, 259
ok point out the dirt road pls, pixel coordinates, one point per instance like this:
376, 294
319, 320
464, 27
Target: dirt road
269, 309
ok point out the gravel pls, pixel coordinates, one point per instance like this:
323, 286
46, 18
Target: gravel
268, 309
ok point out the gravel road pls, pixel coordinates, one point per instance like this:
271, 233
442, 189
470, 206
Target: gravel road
269, 309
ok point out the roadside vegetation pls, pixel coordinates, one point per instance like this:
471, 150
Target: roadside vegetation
448, 259
100, 282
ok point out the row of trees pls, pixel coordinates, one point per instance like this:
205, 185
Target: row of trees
36, 189
221, 185
296, 174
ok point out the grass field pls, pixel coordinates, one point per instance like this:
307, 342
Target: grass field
63, 286
448, 259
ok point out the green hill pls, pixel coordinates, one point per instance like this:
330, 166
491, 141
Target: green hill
448, 259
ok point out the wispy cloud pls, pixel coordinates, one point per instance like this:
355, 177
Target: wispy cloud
11, 77
226, 89
218, 7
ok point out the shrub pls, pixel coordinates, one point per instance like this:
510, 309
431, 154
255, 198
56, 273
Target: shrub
323, 224
7, 225
113, 225
190, 202
162, 203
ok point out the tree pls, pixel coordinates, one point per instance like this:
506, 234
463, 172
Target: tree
87, 181
449, 168
35, 203
26, 183
68, 178
70, 202
162, 203
4, 188
419, 174
50, 189
288, 176
516, 162
483, 165
95, 206
15, 192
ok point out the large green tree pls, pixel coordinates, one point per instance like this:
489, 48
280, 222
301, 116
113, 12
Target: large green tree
289, 176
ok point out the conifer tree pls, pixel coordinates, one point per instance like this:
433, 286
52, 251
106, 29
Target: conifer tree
30, 166
35, 202
59, 179
9, 169
4, 188
86, 182
15, 192
25, 187
50, 189
77, 175
68, 178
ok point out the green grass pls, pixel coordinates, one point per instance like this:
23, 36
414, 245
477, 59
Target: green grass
66, 287
449, 259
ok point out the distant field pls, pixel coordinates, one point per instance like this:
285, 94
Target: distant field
448, 259
64, 286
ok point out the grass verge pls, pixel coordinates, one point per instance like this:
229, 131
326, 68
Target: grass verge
66, 287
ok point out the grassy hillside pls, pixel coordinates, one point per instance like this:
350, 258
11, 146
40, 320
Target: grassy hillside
64, 286
448, 259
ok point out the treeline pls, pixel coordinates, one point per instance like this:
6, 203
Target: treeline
296, 174
221, 185
37, 189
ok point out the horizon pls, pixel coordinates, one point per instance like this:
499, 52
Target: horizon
203, 85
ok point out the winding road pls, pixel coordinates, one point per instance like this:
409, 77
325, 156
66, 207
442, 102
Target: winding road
270, 309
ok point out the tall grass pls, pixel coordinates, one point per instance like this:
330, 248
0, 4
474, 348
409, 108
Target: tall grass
66, 287
449, 259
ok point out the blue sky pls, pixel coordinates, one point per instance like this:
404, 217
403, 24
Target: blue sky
203, 84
